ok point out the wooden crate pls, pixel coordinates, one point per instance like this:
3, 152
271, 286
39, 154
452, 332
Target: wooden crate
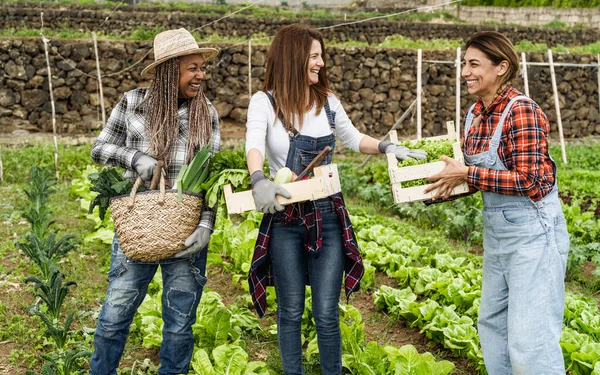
414, 172
326, 181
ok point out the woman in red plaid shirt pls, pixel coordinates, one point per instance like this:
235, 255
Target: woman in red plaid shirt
526, 241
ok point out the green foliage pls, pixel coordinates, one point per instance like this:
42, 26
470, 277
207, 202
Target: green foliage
58, 333
39, 187
52, 293
143, 33
535, 3
63, 362
17, 160
399, 41
108, 183
63, 33
556, 25
435, 150
192, 176
46, 251
238, 178
41, 244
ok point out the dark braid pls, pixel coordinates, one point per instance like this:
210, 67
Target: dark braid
199, 121
161, 111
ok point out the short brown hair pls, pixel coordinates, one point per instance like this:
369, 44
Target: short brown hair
287, 72
497, 47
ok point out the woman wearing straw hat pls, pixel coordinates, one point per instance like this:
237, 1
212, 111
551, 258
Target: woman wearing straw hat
291, 121
170, 120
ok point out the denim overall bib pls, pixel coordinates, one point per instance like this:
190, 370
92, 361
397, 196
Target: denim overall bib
525, 252
290, 262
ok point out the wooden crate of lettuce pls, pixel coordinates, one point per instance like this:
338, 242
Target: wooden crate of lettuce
408, 177
326, 181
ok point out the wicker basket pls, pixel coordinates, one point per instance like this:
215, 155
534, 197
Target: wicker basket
154, 225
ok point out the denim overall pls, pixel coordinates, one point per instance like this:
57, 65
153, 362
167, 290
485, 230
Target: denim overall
183, 282
290, 262
525, 252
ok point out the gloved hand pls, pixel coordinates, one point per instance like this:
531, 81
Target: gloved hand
264, 192
403, 153
195, 242
144, 166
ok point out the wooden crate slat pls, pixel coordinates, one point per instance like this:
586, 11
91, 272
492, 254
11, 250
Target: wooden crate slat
414, 172
415, 193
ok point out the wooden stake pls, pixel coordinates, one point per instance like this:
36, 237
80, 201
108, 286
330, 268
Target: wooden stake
525, 78
99, 78
1, 168
599, 82
402, 118
249, 68
419, 91
557, 106
52, 105
457, 114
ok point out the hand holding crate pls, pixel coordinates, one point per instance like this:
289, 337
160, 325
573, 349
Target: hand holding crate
408, 174
326, 182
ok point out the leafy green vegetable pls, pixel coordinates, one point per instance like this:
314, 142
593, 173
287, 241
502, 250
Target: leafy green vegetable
108, 183
435, 149
239, 178
192, 176
227, 159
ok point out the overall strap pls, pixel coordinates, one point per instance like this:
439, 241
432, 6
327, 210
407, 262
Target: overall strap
279, 113
495, 142
469, 120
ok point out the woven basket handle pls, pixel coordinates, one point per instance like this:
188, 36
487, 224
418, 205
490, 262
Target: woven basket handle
156, 174
157, 177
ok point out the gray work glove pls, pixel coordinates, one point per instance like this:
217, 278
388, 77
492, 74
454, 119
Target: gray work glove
144, 166
264, 192
195, 242
403, 153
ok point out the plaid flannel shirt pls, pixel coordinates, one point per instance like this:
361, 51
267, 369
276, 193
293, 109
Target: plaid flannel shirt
523, 148
261, 274
125, 134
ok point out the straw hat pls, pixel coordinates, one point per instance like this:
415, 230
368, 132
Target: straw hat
174, 43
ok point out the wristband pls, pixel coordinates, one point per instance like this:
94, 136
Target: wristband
257, 176
383, 145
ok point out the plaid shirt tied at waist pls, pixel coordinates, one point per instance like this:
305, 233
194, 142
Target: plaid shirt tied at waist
261, 274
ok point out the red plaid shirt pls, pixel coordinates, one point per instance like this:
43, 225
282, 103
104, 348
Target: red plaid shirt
261, 274
523, 148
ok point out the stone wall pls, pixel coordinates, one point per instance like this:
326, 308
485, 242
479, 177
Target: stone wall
124, 22
581, 17
375, 85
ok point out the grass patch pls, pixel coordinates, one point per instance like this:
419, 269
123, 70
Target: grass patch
390, 41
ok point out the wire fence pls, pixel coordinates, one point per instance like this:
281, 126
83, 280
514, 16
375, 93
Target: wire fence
249, 41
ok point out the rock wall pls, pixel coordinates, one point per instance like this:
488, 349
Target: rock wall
580, 17
375, 85
125, 21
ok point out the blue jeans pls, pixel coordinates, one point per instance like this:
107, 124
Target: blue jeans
522, 298
183, 281
290, 262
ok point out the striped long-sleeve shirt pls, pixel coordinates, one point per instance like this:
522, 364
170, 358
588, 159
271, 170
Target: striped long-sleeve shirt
523, 148
126, 133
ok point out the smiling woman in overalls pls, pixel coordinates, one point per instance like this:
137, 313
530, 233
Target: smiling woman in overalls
291, 121
526, 241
